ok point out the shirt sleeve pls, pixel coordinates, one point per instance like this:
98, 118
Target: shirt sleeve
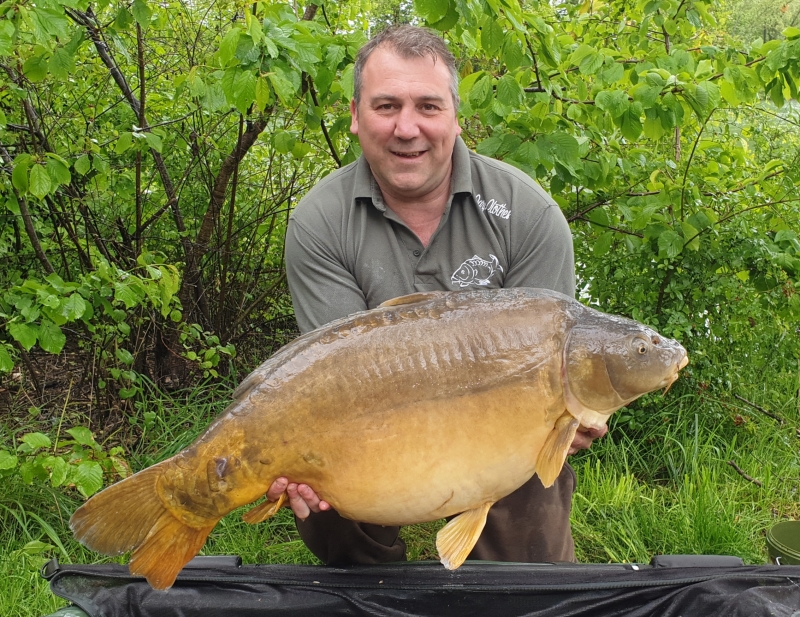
542, 254
322, 287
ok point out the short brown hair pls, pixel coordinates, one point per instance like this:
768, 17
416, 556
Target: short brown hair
408, 42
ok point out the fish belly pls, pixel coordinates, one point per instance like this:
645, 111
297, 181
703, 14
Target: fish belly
412, 464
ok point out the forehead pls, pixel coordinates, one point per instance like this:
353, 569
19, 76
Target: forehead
385, 68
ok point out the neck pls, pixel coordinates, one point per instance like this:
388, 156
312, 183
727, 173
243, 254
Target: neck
421, 214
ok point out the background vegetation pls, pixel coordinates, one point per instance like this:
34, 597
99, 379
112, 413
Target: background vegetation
152, 152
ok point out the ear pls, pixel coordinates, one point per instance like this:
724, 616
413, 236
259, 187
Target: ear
354, 119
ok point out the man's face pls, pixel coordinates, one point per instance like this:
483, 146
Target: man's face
406, 123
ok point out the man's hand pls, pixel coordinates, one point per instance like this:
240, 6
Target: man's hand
584, 438
302, 498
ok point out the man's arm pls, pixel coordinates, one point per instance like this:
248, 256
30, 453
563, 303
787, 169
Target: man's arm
322, 287
542, 253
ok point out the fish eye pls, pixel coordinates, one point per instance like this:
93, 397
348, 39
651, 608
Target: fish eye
640, 345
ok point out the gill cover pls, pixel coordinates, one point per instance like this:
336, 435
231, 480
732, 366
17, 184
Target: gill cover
610, 361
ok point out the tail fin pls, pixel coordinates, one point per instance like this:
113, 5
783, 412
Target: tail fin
130, 516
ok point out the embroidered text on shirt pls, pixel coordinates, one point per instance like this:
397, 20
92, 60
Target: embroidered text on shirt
492, 207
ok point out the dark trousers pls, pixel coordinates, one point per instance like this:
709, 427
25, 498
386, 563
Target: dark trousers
529, 525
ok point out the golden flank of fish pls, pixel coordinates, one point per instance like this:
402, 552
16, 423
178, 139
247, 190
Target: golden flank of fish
428, 406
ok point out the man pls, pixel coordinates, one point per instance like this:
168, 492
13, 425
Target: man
420, 212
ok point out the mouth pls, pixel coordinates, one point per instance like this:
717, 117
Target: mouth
674, 377
409, 155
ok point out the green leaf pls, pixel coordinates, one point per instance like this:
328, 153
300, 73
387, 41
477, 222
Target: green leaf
88, 478
124, 356
24, 334
791, 33
263, 94
227, 48
153, 140
141, 13
83, 164
512, 53
6, 361
283, 141
59, 172
670, 243
492, 36
481, 93
283, 87
58, 471
39, 181
631, 124
51, 338
125, 293
124, 142
244, 91
83, 436
615, 102
564, 147
591, 63
448, 21
603, 244
509, 92
127, 392
123, 19
36, 441
19, 177
432, 10
61, 63
7, 460
35, 68
74, 307
690, 235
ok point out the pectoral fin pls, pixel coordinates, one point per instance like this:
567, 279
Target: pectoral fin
456, 539
264, 510
554, 453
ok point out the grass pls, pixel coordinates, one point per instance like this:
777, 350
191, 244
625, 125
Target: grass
665, 487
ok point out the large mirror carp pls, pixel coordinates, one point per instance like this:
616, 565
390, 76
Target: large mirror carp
431, 405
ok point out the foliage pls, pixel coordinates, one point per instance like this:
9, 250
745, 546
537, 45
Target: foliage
81, 463
152, 153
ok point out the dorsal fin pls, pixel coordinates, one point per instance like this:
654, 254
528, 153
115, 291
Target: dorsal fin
419, 296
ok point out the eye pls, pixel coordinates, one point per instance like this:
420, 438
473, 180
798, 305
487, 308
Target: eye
641, 348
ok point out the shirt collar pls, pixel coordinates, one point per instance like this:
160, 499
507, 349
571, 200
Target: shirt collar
365, 186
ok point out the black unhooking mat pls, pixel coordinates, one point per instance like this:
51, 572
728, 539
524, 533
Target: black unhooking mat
221, 587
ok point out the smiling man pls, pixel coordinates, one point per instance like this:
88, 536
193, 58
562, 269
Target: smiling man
418, 211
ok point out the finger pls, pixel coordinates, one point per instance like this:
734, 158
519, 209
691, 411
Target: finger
297, 503
277, 488
309, 496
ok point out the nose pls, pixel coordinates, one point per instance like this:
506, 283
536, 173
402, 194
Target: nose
406, 126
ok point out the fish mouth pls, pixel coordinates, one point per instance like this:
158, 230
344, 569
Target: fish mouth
674, 377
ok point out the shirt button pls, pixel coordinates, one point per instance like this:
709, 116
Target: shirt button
417, 252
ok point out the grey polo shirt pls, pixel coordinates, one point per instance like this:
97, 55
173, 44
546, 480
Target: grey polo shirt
346, 251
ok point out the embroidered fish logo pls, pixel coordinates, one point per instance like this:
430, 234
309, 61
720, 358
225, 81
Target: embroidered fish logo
475, 271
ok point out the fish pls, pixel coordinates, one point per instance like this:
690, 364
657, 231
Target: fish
432, 405
476, 271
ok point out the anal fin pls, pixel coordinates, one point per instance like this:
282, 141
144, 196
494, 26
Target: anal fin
263, 511
456, 539
554, 453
